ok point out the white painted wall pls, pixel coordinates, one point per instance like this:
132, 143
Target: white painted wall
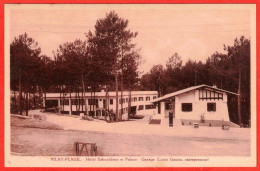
199, 107
101, 95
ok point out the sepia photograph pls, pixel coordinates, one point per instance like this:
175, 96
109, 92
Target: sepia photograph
130, 85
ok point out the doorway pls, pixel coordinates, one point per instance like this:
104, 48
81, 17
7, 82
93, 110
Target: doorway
159, 107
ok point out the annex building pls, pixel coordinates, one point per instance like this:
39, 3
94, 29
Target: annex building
94, 103
195, 102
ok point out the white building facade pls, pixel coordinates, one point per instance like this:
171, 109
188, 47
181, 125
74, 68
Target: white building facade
94, 103
195, 103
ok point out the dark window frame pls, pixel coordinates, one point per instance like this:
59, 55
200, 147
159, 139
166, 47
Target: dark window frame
111, 101
140, 99
186, 107
141, 107
211, 107
147, 107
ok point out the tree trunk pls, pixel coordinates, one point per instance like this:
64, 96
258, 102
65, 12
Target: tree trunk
108, 101
84, 93
76, 98
239, 98
82, 100
106, 104
20, 94
129, 104
34, 102
45, 107
78, 95
95, 104
63, 98
15, 107
60, 101
29, 101
195, 72
121, 83
70, 100
91, 100
116, 80
26, 103
121, 87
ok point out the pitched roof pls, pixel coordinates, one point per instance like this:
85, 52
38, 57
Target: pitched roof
190, 89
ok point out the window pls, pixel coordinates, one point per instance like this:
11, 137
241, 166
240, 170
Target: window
149, 106
147, 98
154, 97
123, 100
140, 99
186, 107
135, 99
211, 107
111, 101
141, 107
104, 103
126, 100
51, 103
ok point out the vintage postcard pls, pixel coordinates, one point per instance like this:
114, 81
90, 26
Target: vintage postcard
130, 85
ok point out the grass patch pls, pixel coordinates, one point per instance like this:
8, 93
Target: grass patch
32, 123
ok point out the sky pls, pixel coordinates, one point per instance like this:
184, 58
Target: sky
194, 32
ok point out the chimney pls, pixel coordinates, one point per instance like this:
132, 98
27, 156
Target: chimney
214, 86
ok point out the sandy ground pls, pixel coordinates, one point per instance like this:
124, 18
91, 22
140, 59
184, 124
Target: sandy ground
43, 142
141, 126
133, 138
